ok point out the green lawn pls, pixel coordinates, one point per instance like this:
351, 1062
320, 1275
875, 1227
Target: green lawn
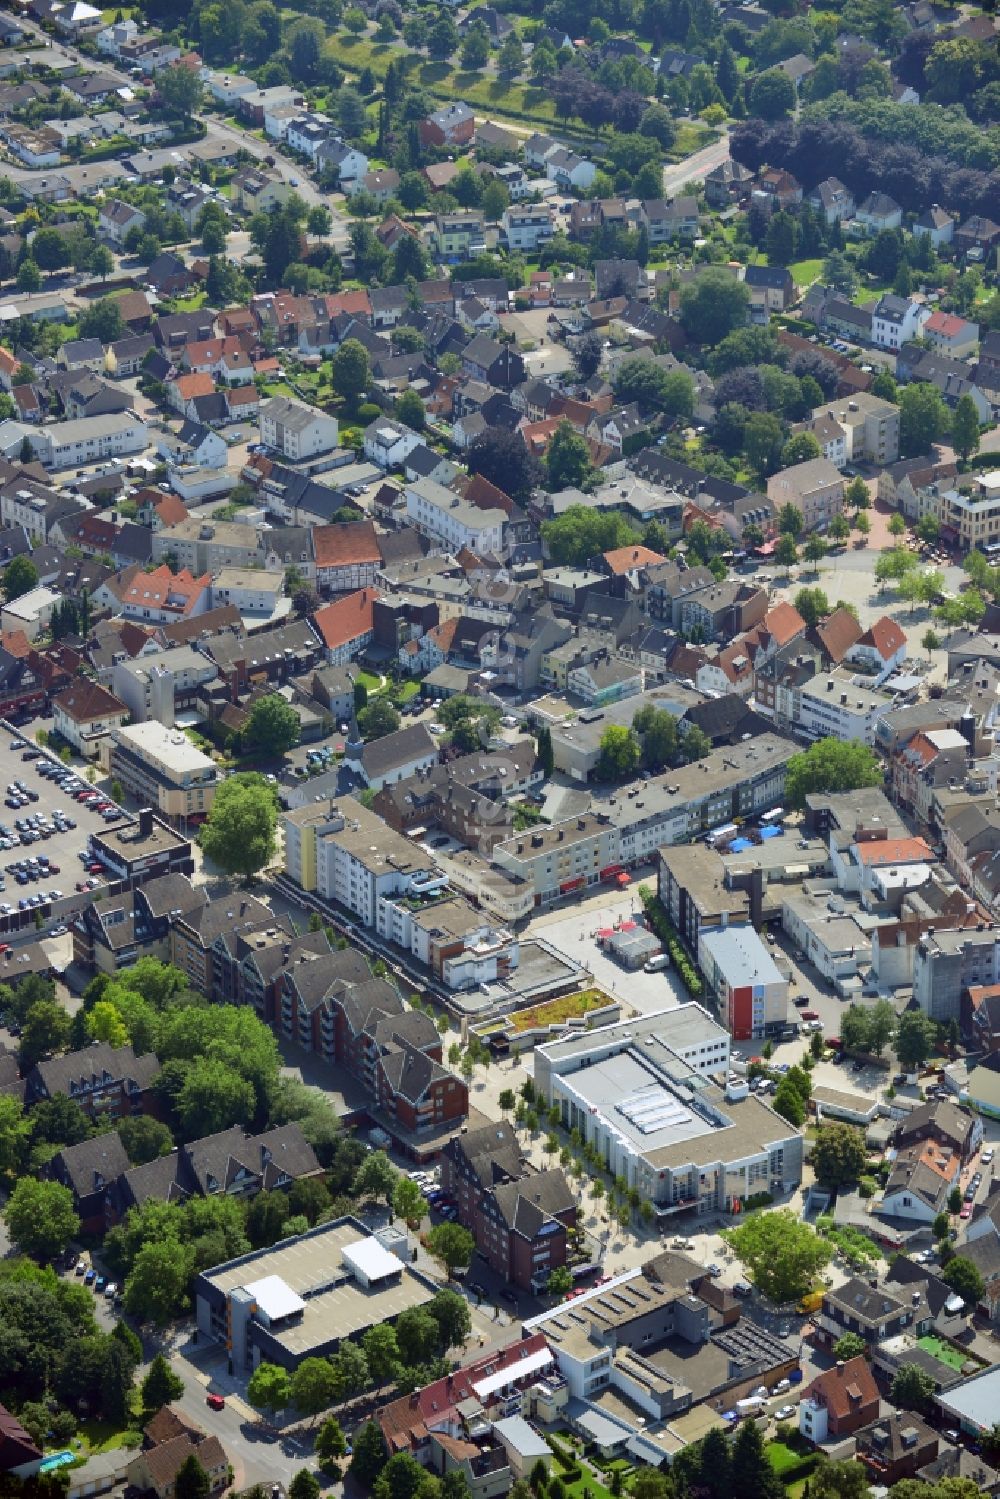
408, 690
805, 272
104, 1436
943, 1351
368, 681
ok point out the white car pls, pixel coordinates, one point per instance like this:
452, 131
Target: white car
437, 728
986, 1157
784, 1412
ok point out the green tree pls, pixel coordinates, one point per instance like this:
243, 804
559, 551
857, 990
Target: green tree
799, 448
567, 459
560, 1282
930, 640
752, 1475
452, 1244
451, 1313
964, 1278
789, 1104
410, 410
330, 1444
20, 576
830, 765
272, 726
369, 1454
786, 553
313, 1386
239, 834
15, 1132
912, 1388
790, 521
180, 91
620, 754
350, 371
382, 1352
782, 1254
161, 1385
350, 1368
839, 1154
712, 305
41, 1218
814, 550
144, 1138
812, 604
475, 47
376, 1177
923, 419
378, 719
510, 58
407, 1200
851, 1345
840, 1479
269, 1388
157, 1288
304, 1485
46, 1030
955, 1200
762, 442
772, 95
914, 1039
191, 1481
965, 427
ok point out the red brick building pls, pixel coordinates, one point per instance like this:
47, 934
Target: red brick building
518, 1217
331, 1005
847, 1396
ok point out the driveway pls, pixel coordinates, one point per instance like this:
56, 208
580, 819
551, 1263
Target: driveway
694, 168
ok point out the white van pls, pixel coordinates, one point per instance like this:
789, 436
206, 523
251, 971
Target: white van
662, 960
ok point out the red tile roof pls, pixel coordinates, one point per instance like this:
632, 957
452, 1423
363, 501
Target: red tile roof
190, 386
345, 619
885, 636
162, 589
624, 559
345, 544
882, 851
88, 701
845, 1389
838, 633
948, 324
783, 622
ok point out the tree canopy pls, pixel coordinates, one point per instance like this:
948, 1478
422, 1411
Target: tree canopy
239, 834
782, 1254
831, 765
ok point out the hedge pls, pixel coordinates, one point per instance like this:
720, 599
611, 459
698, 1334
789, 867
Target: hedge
659, 923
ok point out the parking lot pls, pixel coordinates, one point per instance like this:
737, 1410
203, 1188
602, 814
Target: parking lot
48, 814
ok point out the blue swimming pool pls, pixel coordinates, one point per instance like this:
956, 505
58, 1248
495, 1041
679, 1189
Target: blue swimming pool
56, 1460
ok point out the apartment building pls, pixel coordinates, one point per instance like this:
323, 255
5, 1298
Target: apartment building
519, 1217
971, 515
161, 768
691, 885
348, 855
815, 488
451, 521
946, 963
752, 995
862, 429
562, 857
295, 431
459, 944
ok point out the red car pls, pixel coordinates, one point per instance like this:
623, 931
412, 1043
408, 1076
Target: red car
216, 1402
966, 1210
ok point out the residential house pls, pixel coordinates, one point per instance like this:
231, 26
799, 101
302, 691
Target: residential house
877, 212
897, 320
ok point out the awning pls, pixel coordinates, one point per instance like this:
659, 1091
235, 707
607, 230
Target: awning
540, 1359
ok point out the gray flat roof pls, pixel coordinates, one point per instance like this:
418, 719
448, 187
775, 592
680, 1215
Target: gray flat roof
312, 1261
976, 1401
